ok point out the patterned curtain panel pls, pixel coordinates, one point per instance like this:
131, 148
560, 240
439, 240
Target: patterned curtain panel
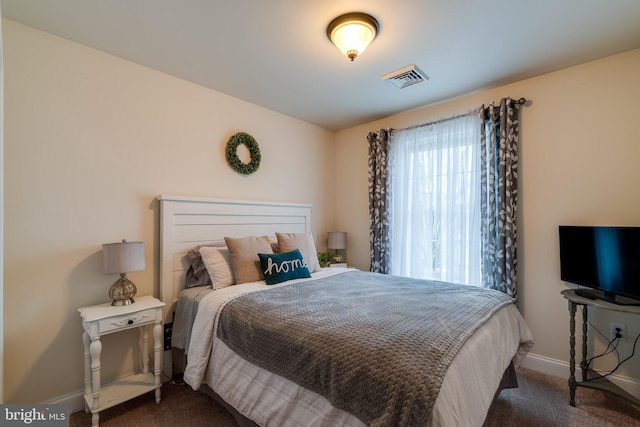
378, 199
499, 195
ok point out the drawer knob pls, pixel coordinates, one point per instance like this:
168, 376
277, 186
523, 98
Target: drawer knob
130, 321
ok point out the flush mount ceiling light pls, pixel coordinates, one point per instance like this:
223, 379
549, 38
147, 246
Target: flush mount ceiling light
352, 33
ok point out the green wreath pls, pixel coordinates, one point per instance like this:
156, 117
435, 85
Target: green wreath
231, 153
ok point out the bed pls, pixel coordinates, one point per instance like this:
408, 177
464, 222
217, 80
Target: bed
335, 346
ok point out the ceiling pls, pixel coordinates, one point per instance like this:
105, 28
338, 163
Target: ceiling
275, 53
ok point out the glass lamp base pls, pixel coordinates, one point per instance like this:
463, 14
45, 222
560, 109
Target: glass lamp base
122, 291
120, 302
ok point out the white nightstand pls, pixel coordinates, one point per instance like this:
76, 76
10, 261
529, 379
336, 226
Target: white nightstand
103, 319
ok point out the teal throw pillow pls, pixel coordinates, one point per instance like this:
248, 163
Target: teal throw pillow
278, 268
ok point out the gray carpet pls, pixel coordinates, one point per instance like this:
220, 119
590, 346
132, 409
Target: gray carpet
541, 400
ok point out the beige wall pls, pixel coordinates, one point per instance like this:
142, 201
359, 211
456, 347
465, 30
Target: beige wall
579, 154
91, 140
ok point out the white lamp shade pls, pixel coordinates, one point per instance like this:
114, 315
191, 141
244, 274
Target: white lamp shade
123, 257
337, 240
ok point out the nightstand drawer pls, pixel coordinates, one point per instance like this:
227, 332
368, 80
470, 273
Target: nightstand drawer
132, 320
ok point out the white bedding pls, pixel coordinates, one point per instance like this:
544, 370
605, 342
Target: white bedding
271, 400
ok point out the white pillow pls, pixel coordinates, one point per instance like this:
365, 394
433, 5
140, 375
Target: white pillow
217, 261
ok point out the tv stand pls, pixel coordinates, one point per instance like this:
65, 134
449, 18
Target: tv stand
619, 300
590, 378
594, 294
585, 294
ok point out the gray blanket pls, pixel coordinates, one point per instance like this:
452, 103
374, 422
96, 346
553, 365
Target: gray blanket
376, 346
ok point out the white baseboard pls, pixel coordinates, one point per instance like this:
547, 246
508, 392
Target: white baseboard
546, 365
559, 368
75, 401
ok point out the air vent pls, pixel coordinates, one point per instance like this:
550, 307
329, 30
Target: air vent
407, 76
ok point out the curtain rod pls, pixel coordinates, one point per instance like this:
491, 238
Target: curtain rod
444, 119
520, 101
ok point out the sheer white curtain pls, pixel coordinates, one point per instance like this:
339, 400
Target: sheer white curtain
434, 201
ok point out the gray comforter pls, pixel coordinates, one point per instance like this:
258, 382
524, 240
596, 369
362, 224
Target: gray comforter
376, 346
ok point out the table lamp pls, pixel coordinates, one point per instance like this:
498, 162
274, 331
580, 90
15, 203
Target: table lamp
337, 240
122, 258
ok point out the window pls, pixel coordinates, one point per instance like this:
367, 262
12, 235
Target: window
434, 201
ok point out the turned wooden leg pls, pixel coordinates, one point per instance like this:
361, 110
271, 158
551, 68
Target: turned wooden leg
87, 368
584, 343
157, 357
572, 353
95, 349
144, 331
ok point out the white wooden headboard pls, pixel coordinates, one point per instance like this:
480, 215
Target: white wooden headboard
186, 222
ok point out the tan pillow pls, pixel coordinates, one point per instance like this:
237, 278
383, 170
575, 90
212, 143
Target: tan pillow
244, 257
288, 242
217, 261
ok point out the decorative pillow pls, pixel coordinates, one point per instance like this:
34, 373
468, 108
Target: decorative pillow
244, 257
284, 266
197, 274
218, 264
304, 242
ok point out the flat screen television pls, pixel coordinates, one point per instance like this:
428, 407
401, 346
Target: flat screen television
606, 259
